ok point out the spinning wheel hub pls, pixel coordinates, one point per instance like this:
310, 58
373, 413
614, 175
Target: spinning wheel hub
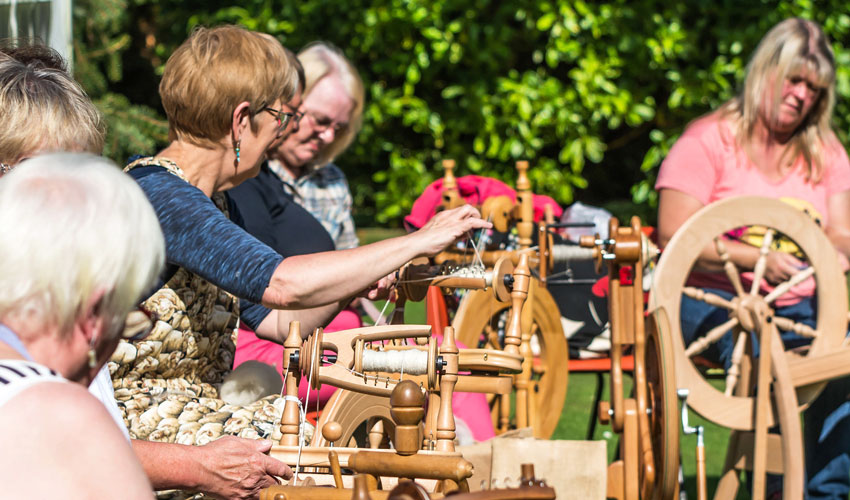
751, 311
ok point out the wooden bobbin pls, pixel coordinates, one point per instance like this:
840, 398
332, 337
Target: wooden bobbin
407, 401
290, 419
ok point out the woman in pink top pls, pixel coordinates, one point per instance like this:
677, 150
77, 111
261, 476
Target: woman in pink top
774, 139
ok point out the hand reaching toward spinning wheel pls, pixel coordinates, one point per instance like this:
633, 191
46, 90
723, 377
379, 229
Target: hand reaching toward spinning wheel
447, 227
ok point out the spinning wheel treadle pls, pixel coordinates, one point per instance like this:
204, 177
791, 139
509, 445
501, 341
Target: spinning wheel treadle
737, 411
481, 314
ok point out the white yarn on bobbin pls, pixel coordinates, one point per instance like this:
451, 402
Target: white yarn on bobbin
412, 361
567, 253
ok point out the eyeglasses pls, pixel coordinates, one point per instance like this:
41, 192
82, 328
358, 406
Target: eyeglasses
324, 123
139, 324
282, 117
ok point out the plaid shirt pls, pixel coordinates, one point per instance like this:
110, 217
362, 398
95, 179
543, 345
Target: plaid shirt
324, 193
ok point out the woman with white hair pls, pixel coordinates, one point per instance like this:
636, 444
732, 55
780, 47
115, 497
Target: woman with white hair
80, 246
774, 139
331, 116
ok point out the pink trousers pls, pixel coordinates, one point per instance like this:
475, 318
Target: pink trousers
470, 407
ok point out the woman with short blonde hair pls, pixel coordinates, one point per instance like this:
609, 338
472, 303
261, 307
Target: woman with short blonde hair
225, 91
215, 70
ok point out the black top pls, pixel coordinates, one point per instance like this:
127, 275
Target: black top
271, 215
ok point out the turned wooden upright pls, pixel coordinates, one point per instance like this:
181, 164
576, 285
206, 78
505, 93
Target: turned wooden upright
290, 420
525, 200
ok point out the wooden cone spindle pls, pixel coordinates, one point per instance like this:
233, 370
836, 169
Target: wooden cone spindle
406, 402
361, 488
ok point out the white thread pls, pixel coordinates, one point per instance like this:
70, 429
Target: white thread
381, 316
477, 256
567, 253
412, 361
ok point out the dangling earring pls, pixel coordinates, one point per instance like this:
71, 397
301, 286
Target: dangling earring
92, 355
236, 149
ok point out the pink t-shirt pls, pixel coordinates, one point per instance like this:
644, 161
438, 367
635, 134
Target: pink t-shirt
707, 164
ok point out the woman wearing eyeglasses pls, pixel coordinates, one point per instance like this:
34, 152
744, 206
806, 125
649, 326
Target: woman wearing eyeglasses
225, 91
62, 311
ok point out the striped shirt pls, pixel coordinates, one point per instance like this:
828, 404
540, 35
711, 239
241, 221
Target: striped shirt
17, 375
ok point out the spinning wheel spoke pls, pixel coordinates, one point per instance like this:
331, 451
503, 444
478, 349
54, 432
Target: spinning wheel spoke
708, 297
787, 285
737, 356
492, 337
481, 312
729, 267
793, 326
761, 263
711, 337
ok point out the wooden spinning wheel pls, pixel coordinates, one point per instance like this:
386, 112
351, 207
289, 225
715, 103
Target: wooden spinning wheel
646, 421
736, 412
738, 406
481, 320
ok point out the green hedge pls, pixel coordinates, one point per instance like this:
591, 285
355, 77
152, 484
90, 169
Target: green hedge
592, 93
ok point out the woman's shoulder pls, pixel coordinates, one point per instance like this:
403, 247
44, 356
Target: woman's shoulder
710, 128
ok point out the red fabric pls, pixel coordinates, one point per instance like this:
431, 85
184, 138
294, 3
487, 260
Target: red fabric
472, 408
435, 310
474, 189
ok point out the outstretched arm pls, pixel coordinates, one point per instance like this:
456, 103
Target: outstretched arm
312, 280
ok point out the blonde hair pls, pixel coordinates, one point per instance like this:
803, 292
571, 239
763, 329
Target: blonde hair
214, 71
323, 60
74, 226
44, 109
788, 49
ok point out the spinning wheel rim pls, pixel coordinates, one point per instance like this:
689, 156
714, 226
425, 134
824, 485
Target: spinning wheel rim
479, 307
662, 400
674, 267
351, 409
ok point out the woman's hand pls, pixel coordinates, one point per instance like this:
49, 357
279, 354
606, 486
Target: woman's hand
447, 227
781, 267
382, 290
237, 468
